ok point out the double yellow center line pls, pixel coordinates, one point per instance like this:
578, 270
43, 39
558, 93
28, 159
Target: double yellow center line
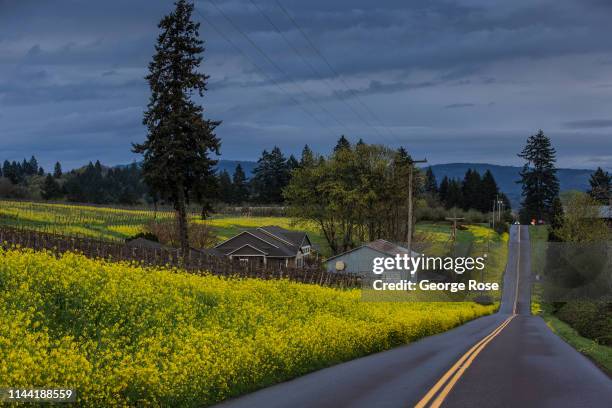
438, 393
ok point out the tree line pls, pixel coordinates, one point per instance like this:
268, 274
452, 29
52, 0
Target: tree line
17, 172
269, 178
93, 183
474, 192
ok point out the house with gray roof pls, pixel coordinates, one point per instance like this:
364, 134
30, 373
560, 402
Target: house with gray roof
269, 245
360, 260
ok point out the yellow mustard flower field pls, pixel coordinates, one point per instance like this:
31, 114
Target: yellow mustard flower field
125, 335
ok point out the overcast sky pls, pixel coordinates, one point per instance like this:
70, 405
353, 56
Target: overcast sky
453, 81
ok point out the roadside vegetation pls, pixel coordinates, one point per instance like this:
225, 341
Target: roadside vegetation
584, 323
599, 353
126, 335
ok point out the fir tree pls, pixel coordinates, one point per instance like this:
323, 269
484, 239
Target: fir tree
270, 176
556, 218
538, 177
57, 171
32, 166
292, 163
489, 192
454, 196
307, 158
177, 162
226, 190
241, 188
342, 143
443, 190
50, 188
471, 190
431, 185
601, 188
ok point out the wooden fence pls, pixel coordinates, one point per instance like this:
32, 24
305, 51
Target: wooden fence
197, 262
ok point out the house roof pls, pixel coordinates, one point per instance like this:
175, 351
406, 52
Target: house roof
293, 237
272, 240
382, 246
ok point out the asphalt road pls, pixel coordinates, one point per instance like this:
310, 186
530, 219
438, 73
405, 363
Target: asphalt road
509, 359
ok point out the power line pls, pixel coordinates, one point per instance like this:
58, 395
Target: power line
312, 68
275, 65
259, 69
331, 68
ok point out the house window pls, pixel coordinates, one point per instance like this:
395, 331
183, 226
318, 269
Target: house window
299, 262
244, 261
306, 250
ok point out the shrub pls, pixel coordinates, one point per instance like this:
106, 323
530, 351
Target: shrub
426, 213
591, 319
501, 228
167, 232
144, 235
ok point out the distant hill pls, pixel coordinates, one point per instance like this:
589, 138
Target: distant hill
230, 166
506, 177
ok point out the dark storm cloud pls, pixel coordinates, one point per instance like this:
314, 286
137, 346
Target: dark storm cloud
72, 76
459, 105
589, 124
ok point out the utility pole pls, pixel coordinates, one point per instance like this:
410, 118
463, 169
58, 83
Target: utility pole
411, 164
454, 227
493, 215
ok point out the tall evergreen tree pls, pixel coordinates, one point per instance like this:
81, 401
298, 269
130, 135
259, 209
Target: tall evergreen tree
431, 185
270, 176
12, 171
292, 163
489, 192
177, 162
241, 188
471, 190
57, 170
32, 167
342, 143
226, 189
538, 177
307, 158
443, 190
601, 186
556, 218
50, 188
454, 197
